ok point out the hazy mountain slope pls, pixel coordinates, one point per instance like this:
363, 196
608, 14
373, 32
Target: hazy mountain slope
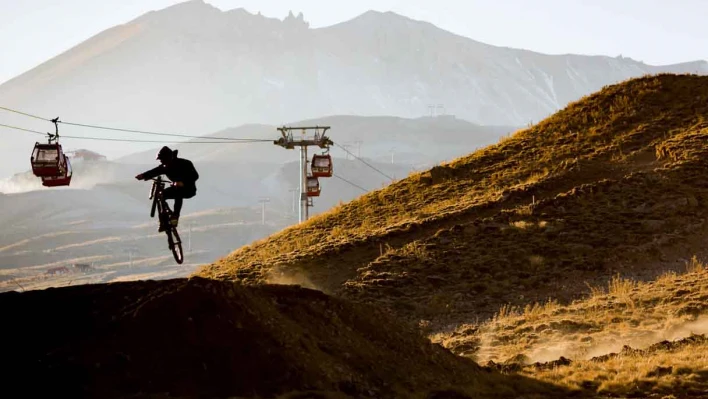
102, 218
242, 173
194, 69
413, 141
406, 64
612, 182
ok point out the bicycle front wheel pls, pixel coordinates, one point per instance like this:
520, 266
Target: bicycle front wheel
153, 208
175, 245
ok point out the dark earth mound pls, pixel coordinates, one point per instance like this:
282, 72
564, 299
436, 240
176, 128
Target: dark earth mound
207, 338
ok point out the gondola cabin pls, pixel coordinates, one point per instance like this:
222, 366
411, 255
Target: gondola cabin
64, 179
47, 160
313, 186
321, 166
51, 165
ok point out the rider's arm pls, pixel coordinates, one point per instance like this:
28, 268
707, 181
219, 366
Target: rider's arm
153, 172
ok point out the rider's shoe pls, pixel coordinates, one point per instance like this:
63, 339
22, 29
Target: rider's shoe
161, 228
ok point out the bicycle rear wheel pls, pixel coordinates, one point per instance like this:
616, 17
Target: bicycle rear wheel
175, 245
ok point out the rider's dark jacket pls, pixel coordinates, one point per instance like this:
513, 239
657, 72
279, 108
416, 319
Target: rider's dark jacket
179, 169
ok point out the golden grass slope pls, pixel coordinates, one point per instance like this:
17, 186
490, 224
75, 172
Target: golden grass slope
614, 182
630, 339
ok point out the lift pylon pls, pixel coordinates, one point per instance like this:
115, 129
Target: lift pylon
289, 141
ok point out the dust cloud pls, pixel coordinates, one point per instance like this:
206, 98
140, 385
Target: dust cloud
283, 277
86, 177
8, 186
615, 341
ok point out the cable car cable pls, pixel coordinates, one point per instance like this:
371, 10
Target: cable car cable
25, 114
132, 140
135, 131
23, 129
161, 134
156, 141
365, 163
353, 184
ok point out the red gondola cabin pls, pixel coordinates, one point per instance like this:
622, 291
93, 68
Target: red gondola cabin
321, 166
64, 180
51, 165
313, 187
46, 160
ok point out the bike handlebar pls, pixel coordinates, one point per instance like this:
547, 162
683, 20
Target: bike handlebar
161, 180
159, 186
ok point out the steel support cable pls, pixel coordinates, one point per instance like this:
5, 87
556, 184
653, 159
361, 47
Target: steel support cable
364, 162
23, 129
353, 184
25, 114
115, 129
131, 140
158, 141
135, 131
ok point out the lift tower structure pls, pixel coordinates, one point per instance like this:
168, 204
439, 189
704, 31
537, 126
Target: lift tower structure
289, 141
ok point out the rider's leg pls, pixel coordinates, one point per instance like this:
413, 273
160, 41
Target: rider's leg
164, 222
176, 194
178, 206
184, 193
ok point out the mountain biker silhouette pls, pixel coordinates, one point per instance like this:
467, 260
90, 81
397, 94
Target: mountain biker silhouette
183, 176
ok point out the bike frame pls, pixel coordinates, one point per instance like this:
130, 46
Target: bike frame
164, 212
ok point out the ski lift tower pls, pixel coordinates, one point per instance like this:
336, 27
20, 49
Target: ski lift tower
289, 141
263, 201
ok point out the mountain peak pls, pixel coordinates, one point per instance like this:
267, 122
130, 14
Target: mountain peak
383, 16
384, 20
293, 20
191, 5
184, 12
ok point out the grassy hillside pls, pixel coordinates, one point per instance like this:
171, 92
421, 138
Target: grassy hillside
615, 182
627, 338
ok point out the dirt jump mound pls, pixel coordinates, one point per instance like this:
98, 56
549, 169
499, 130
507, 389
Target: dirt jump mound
207, 338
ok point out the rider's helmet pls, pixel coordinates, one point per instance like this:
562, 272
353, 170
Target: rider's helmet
165, 154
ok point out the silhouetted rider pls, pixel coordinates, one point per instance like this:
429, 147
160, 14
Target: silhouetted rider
183, 175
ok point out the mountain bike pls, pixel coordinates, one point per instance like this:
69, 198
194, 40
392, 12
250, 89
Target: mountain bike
159, 205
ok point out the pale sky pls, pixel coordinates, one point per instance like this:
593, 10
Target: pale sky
654, 31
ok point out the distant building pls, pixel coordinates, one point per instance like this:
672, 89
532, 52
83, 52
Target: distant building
87, 155
83, 267
56, 271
